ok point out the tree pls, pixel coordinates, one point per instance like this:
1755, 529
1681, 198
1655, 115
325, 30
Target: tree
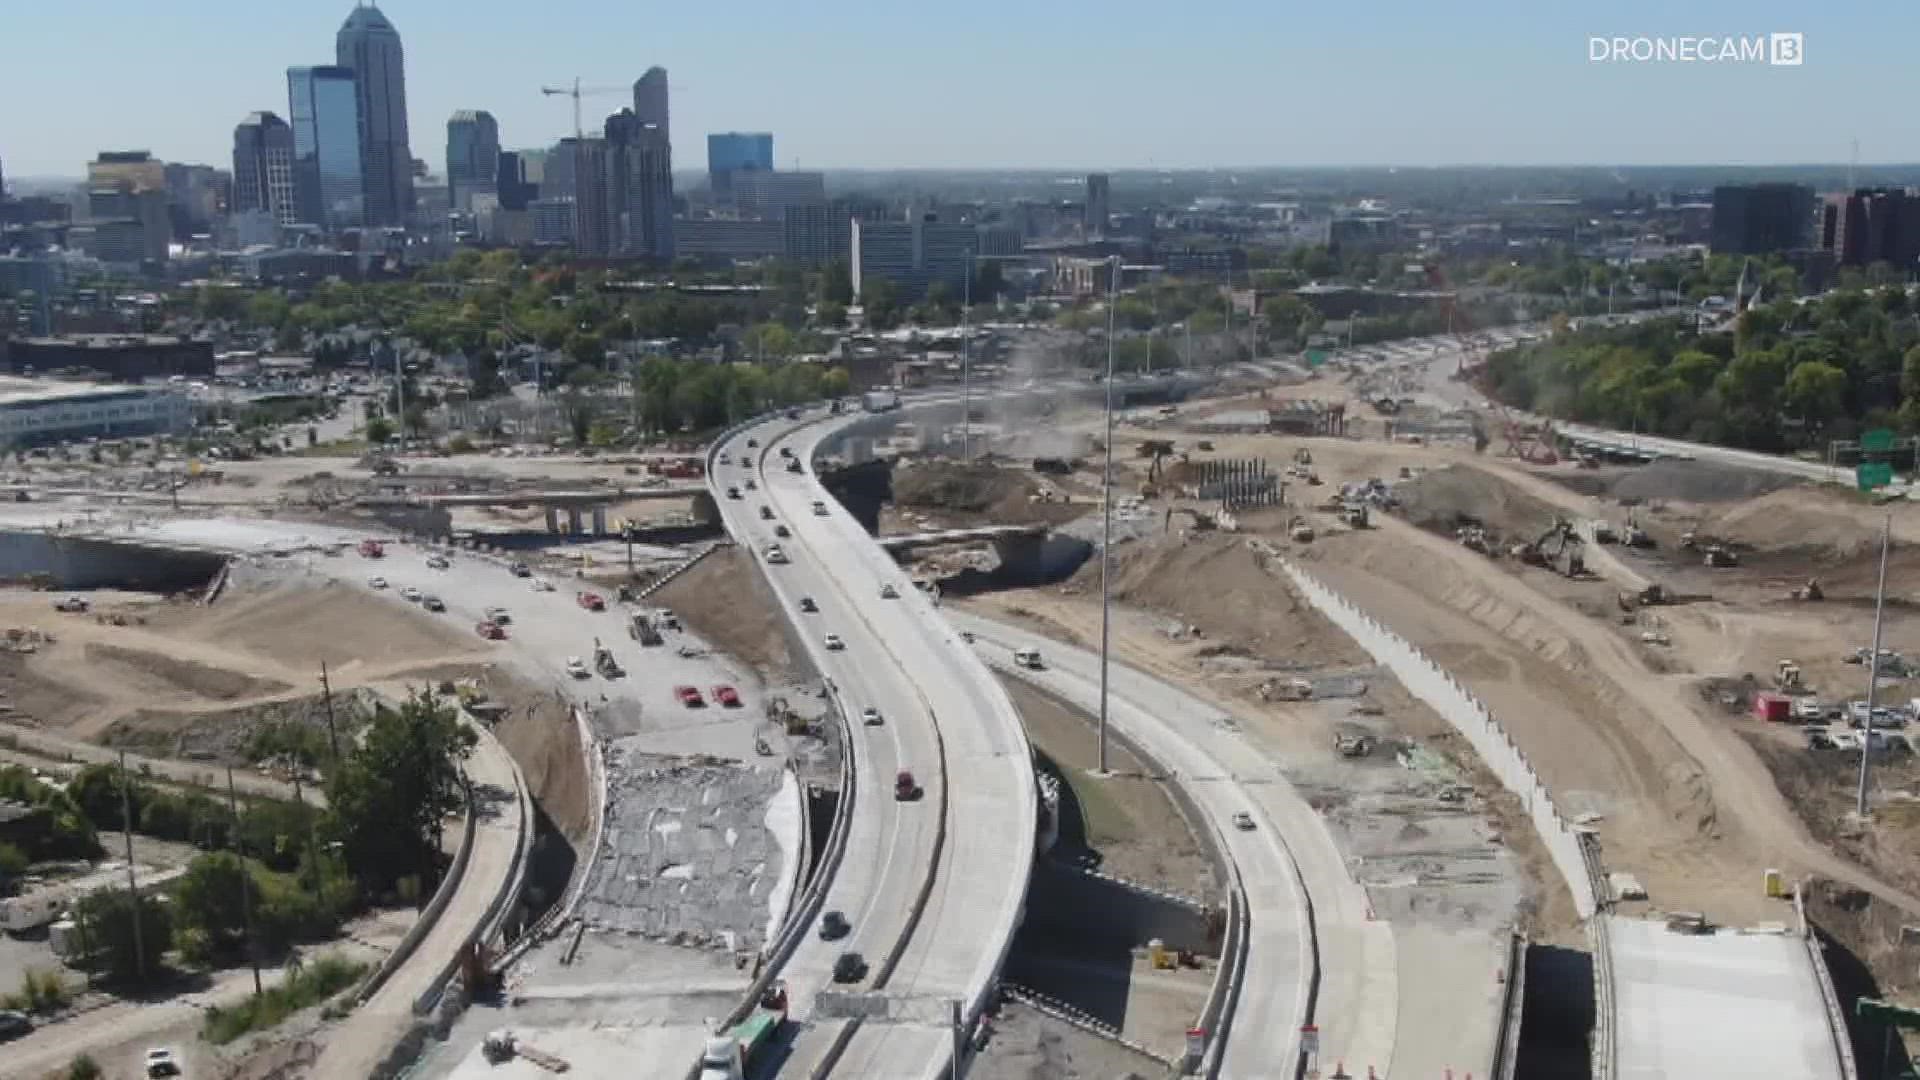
84, 1068
379, 430
830, 314
987, 280
388, 797
13, 867
208, 899
836, 283
107, 930
1816, 392
880, 302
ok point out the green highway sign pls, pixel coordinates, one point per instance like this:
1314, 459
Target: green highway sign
1876, 440
1316, 357
1873, 474
1886, 1013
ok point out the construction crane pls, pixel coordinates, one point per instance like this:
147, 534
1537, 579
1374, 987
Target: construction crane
576, 92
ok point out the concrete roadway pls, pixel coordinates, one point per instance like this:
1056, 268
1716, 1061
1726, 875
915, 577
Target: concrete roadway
980, 885
889, 844
1357, 1000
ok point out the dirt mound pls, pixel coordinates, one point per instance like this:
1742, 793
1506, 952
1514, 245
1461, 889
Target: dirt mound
537, 728
138, 670
1803, 521
227, 736
1219, 584
1693, 481
950, 486
300, 624
1444, 499
725, 600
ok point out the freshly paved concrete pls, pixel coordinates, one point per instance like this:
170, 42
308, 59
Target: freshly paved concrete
1357, 1004
1723, 1004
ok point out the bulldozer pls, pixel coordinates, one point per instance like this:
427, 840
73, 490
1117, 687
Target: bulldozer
1650, 596
1811, 591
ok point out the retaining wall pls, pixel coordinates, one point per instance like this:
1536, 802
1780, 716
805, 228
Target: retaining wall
1061, 894
74, 562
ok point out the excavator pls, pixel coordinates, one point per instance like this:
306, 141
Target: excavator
1560, 549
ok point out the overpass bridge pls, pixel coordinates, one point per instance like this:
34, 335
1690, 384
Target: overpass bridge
582, 506
984, 533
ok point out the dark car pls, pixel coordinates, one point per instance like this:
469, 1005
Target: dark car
851, 967
807, 605
834, 926
15, 1024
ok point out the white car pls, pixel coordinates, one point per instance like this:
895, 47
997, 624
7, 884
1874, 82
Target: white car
819, 508
161, 1063
775, 554
870, 716
1243, 821
541, 584
411, 595
576, 667
834, 643
376, 583
438, 563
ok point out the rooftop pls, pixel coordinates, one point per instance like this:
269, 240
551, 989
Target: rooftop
18, 391
108, 341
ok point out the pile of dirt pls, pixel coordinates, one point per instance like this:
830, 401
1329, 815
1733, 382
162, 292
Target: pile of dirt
303, 623
537, 728
944, 485
1218, 584
1812, 523
226, 736
1693, 481
726, 601
1445, 499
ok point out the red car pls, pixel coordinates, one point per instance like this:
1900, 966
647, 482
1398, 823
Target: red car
490, 630
689, 696
592, 601
727, 696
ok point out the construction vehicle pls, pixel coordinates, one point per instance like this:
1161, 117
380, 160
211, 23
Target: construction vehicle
71, 604
372, 549
1634, 536
1355, 515
502, 1046
1473, 538
729, 1054
641, 628
1299, 531
604, 663
1787, 676
1601, 531
1810, 591
1560, 549
1302, 456
1353, 745
1295, 689
1719, 557
1648, 597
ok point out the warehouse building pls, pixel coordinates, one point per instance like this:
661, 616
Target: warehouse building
120, 357
35, 411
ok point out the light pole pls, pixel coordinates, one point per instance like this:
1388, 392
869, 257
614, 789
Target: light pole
966, 364
1873, 667
1106, 518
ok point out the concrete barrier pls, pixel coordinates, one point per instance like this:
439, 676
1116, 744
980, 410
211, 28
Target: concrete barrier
1506, 1044
1829, 998
556, 916
449, 884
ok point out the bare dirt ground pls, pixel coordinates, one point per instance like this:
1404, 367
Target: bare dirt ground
725, 600
1133, 825
1030, 1045
537, 728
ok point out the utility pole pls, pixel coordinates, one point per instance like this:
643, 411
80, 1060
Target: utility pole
246, 886
326, 695
133, 882
959, 1040
1873, 667
1106, 518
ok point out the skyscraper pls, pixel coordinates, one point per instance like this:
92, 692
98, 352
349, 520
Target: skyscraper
369, 46
729, 152
1757, 219
592, 215
639, 186
473, 157
263, 167
328, 185
650, 101
1098, 211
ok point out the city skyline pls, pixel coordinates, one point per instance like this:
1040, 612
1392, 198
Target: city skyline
1258, 87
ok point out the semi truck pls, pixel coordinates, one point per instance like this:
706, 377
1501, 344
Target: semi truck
878, 401
728, 1054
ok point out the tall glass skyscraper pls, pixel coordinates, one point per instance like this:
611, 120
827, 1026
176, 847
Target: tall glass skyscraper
327, 176
473, 157
731, 151
369, 46
263, 167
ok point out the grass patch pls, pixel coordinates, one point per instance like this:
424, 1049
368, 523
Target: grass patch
41, 991
1106, 822
314, 982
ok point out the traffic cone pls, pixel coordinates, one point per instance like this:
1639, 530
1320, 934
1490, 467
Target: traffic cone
1340, 1071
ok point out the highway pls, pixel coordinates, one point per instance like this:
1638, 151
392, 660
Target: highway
933, 895
1296, 881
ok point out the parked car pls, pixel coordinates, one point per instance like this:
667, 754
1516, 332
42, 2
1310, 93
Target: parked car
15, 1024
70, 603
726, 696
834, 926
376, 583
492, 631
520, 569
437, 562
689, 696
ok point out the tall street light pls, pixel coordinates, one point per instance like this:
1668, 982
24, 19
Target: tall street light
966, 364
1106, 516
1873, 667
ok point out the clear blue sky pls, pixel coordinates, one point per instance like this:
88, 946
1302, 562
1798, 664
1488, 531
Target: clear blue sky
998, 83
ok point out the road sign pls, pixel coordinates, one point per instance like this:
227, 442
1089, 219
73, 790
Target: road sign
1886, 1013
1876, 440
1873, 474
1316, 357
